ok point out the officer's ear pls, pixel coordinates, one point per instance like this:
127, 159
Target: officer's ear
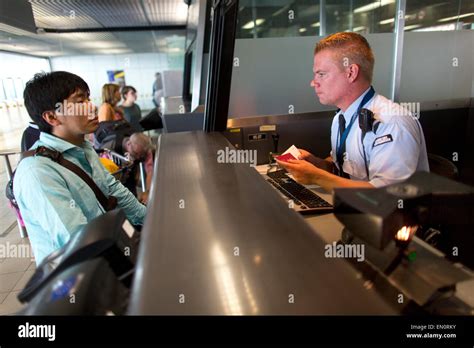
352, 72
51, 118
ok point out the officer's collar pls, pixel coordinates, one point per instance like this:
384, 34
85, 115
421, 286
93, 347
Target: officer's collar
351, 110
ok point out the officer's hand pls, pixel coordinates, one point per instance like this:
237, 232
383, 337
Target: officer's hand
305, 155
302, 171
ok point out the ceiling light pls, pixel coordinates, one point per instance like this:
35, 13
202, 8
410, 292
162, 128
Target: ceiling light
447, 19
182, 12
387, 21
251, 24
409, 27
443, 27
314, 25
391, 20
302, 30
373, 6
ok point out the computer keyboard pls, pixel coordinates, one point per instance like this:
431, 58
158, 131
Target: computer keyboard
305, 200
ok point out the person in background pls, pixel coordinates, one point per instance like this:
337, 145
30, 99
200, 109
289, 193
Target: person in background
157, 89
131, 111
138, 148
109, 111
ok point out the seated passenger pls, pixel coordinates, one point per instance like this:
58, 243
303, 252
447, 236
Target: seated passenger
139, 149
55, 202
110, 135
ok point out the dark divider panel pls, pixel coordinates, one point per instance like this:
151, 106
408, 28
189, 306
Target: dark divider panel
447, 132
310, 131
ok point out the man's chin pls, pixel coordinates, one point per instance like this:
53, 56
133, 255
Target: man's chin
323, 101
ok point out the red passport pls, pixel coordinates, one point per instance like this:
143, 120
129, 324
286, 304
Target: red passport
286, 157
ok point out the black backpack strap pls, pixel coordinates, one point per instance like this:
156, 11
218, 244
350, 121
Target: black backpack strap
109, 203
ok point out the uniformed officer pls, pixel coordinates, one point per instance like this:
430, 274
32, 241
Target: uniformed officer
387, 148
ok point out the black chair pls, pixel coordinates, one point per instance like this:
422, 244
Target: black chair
152, 121
442, 166
30, 135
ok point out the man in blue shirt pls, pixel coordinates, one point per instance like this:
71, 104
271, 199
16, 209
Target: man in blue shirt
388, 153
54, 202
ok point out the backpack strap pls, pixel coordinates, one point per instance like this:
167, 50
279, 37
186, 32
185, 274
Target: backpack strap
109, 203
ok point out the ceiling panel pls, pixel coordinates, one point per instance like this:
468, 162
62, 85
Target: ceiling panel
166, 12
99, 14
84, 14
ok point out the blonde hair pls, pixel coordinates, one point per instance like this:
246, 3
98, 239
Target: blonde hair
350, 48
108, 93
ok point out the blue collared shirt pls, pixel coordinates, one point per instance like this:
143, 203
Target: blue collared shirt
55, 203
394, 151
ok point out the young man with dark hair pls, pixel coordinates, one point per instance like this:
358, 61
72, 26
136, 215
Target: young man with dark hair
55, 203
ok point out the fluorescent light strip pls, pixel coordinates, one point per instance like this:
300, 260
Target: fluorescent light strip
251, 24
447, 19
373, 6
391, 20
443, 27
387, 21
409, 27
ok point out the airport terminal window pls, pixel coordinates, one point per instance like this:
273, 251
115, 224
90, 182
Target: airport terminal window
303, 18
439, 15
362, 16
259, 19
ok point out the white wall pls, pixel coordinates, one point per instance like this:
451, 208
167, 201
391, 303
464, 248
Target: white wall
140, 69
273, 75
15, 71
437, 66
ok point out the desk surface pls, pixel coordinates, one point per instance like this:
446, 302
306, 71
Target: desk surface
8, 152
219, 240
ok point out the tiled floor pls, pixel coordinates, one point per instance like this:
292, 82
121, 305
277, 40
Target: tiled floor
14, 271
